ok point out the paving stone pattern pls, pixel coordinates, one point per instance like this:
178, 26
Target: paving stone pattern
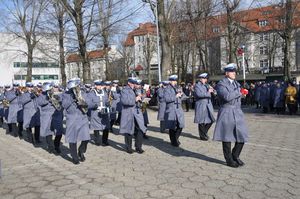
195, 170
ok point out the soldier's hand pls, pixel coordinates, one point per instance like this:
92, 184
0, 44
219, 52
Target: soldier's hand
138, 98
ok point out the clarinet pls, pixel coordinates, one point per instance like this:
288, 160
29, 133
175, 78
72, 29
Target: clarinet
138, 103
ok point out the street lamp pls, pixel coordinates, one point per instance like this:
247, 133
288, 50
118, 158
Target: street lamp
158, 47
243, 62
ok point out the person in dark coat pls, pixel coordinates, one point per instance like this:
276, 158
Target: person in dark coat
279, 99
230, 125
265, 97
203, 109
132, 121
31, 113
257, 90
76, 104
189, 93
12, 109
51, 113
161, 105
99, 115
20, 113
174, 115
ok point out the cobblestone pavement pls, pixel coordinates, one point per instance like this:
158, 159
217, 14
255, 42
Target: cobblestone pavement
196, 170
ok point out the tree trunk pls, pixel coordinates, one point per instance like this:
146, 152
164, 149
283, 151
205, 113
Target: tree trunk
62, 50
29, 62
164, 39
82, 48
287, 40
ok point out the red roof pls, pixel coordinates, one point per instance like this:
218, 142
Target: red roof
95, 54
143, 29
248, 19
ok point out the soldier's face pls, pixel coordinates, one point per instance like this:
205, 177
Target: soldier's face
203, 80
173, 83
231, 75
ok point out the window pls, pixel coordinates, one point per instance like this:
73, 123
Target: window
263, 50
282, 20
264, 37
263, 23
37, 77
264, 63
216, 29
36, 65
266, 12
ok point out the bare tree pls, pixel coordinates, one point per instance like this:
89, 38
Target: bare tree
164, 13
81, 13
26, 18
287, 35
230, 6
148, 51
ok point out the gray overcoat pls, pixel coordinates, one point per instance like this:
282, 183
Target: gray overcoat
203, 106
161, 104
98, 121
131, 114
230, 125
77, 123
31, 112
51, 119
12, 111
174, 112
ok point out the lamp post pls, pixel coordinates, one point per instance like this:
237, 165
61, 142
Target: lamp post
158, 41
243, 63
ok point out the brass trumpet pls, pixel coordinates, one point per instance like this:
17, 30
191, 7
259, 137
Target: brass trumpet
53, 98
80, 100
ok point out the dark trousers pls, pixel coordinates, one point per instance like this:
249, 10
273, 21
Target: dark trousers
1, 121
53, 144
162, 126
174, 135
119, 117
203, 130
292, 108
233, 155
187, 105
82, 149
20, 129
12, 129
104, 136
138, 135
36, 138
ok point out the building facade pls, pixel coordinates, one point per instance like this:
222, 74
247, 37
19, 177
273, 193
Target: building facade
259, 30
13, 60
97, 63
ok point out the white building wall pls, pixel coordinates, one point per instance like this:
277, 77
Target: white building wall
14, 50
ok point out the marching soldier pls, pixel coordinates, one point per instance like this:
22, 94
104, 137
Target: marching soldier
230, 125
132, 121
203, 108
139, 88
31, 113
174, 116
161, 105
75, 103
51, 117
99, 116
116, 102
11, 108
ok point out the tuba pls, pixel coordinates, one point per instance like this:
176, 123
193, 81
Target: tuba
80, 100
54, 100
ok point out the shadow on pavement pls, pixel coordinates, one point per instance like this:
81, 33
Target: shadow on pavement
166, 147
